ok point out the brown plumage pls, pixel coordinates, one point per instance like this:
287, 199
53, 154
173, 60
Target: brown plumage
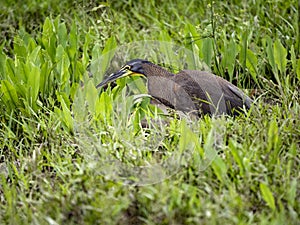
190, 91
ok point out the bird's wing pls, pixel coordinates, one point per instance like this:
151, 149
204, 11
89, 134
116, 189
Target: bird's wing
217, 90
203, 89
237, 92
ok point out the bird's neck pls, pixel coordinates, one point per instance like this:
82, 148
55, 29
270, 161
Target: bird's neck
159, 83
154, 70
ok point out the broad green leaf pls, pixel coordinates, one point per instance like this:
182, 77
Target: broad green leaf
73, 90
208, 51
292, 153
220, 168
292, 192
280, 54
31, 44
9, 94
107, 55
77, 71
110, 45
272, 135
23, 71
34, 56
193, 59
46, 79
20, 49
66, 115
2, 65
47, 31
236, 156
85, 55
193, 36
91, 96
165, 37
184, 137
195, 44
210, 153
66, 98
251, 63
94, 68
96, 52
62, 35
271, 59
228, 57
73, 41
49, 38
11, 73
63, 63
78, 107
244, 48
33, 84
186, 143
267, 195
104, 107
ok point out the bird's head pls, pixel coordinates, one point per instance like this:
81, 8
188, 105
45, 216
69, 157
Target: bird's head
131, 68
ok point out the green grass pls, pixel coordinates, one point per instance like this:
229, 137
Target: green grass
73, 154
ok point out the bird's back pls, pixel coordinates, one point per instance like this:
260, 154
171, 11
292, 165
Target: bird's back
212, 94
194, 91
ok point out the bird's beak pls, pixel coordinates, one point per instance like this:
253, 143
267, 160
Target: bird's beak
114, 76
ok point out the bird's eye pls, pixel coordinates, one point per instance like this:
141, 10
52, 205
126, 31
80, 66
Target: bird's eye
126, 67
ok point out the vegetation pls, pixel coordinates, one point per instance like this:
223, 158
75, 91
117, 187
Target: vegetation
73, 154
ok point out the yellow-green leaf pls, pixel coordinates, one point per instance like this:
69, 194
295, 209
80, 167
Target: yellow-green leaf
280, 54
33, 84
9, 94
272, 135
66, 115
107, 54
251, 63
91, 96
270, 54
63, 64
267, 195
62, 35
207, 50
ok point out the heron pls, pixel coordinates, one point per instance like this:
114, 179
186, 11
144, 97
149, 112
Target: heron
189, 91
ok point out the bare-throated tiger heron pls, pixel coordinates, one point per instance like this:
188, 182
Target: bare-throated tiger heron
190, 91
